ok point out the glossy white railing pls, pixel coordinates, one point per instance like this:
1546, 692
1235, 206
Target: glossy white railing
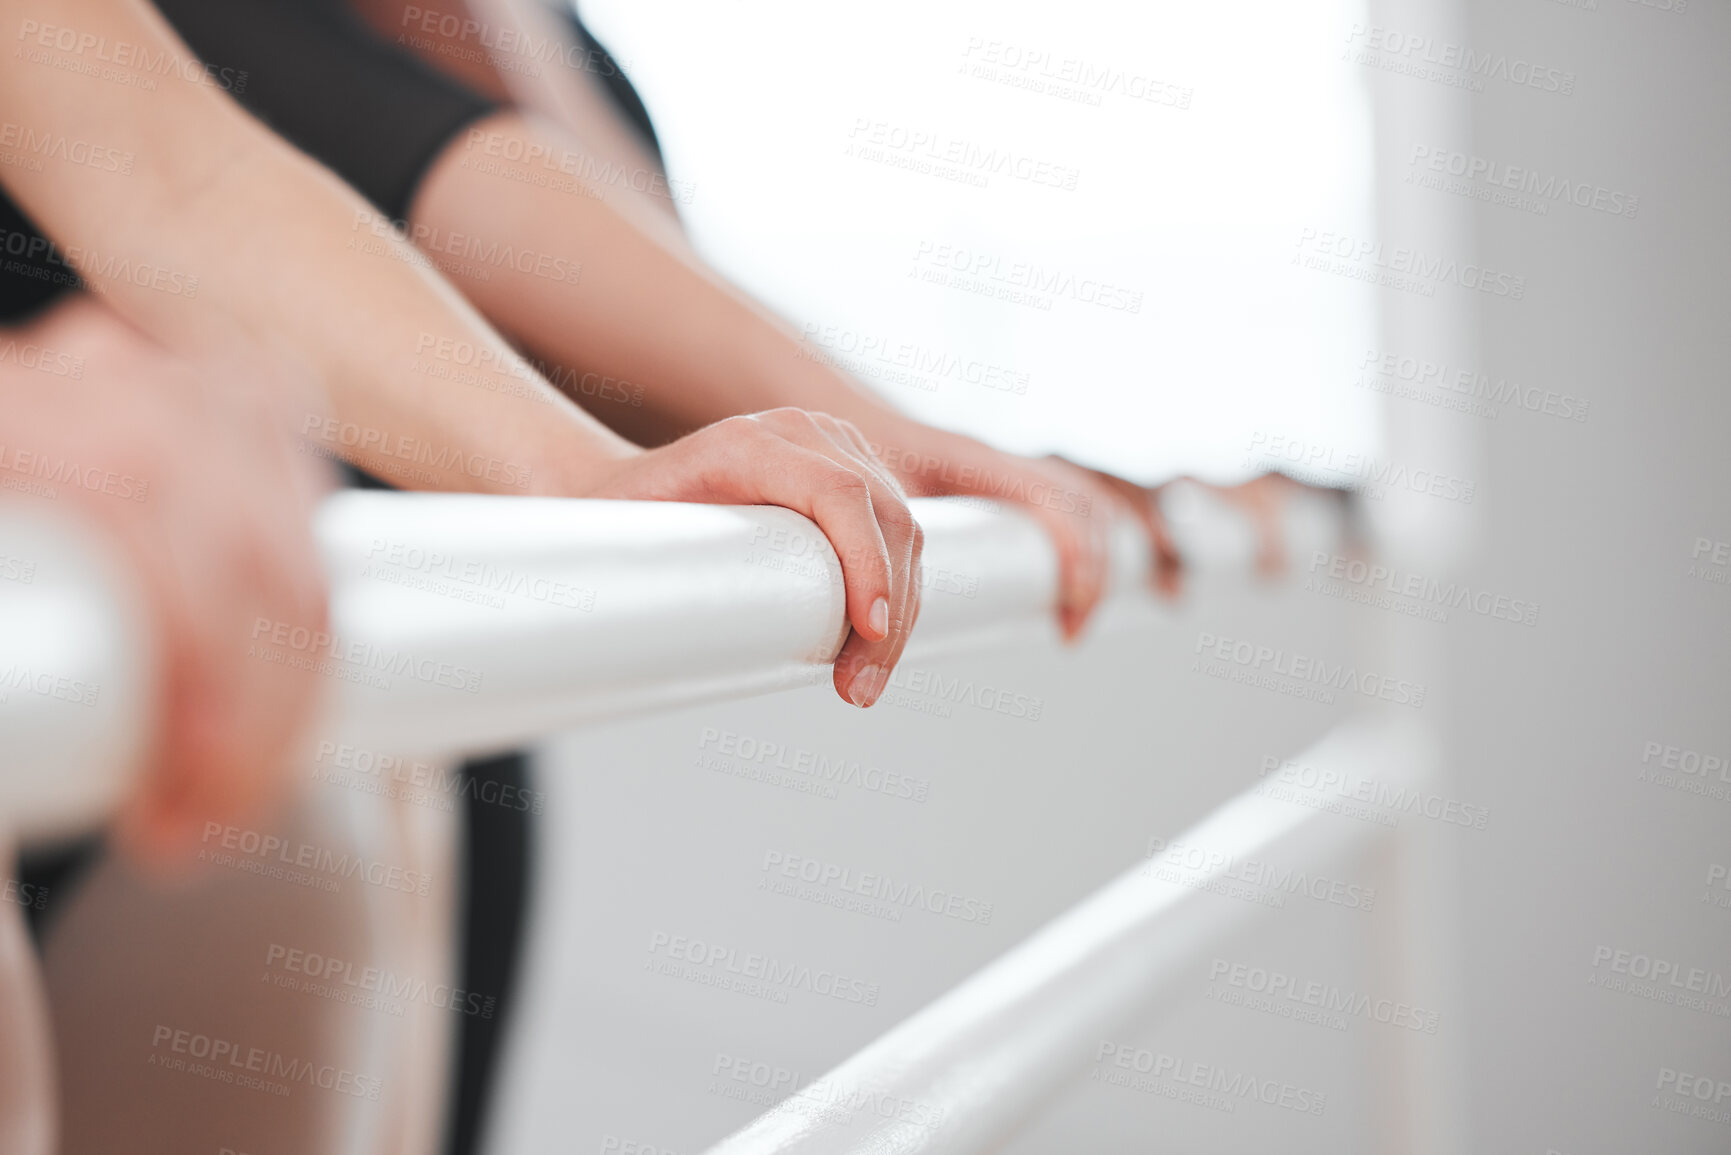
74, 691
553, 612
461, 623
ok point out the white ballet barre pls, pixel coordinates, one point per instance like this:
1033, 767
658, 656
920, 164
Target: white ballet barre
463, 623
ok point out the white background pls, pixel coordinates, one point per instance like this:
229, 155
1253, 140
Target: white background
1199, 209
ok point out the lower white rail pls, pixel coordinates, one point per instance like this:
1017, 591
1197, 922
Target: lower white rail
968, 1071
464, 623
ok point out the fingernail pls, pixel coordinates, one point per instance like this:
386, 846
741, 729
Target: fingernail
880, 617
862, 689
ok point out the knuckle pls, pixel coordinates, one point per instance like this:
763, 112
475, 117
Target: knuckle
786, 417
846, 485
750, 424
896, 517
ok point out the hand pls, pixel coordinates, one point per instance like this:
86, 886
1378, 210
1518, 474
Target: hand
1073, 505
213, 512
821, 467
1167, 572
1265, 499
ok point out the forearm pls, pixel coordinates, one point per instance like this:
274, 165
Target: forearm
423, 391
648, 339
256, 262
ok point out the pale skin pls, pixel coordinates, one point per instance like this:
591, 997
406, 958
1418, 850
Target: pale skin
646, 311
294, 306
219, 541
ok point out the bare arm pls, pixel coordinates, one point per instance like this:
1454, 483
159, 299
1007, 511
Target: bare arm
516, 51
235, 251
227, 245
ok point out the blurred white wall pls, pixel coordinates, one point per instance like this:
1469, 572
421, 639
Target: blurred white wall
1172, 153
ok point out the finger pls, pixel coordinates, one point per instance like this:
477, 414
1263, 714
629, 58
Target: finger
863, 668
1166, 574
1168, 560
190, 748
895, 519
1080, 568
838, 498
1083, 544
825, 435
1267, 502
863, 450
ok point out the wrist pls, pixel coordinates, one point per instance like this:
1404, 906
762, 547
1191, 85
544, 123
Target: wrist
580, 466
